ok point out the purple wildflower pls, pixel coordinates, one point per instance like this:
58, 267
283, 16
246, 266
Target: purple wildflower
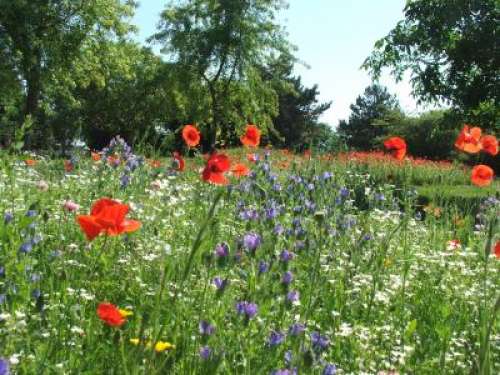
4, 367
275, 338
327, 175
287, 278
31, 213
293, 296
263, 267
220, 283
329, 370
319, 342
222, 250
8, 217
205, 352
286, 256
288, 357
26, 247
206, 329
246, 308
296, 329
249, 215
252, 241
344, 192
279, 229
124, 181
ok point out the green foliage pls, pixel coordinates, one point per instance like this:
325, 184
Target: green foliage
364, 129
430, 134
222, 42
466, 198
296, 125
40, 38
449, 48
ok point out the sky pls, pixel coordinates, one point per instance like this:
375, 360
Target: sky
333, 38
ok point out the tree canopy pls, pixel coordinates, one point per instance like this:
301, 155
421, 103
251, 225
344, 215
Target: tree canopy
364, 126
451, 49
223, 43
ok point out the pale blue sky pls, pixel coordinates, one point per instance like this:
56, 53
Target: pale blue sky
333, 37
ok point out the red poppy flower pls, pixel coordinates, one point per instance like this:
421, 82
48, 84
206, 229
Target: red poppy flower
496, 249
240, 170
95, 156
469, 140
216, 166
107, 216
251, 138
68, 166
397, 147
110, 314
482, 175
490, 144
191, 135
179, 161
30, 162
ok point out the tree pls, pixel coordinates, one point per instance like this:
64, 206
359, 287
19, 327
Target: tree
296, 125
223, 42
451, 49
113, 87
38, 38
364, 125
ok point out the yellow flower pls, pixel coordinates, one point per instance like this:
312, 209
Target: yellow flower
161, 346
125, 313
135, 341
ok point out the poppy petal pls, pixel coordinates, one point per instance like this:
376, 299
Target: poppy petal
129, 226
89, 226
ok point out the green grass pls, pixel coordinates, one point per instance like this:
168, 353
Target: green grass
382, 288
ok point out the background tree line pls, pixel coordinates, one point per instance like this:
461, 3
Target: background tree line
70, 69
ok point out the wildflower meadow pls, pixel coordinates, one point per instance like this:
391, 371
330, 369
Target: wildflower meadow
246, 261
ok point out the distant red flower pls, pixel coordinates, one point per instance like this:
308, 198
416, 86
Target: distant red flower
489, 144
107, 216
469, 140
30, 162
240, 170
251, 138
68, 166
397, 147
216, 166
252, 157
497, 249
191, 135
113, 160
179, 161
308, 153
154, 163
110, 314
482, 175
95, 156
